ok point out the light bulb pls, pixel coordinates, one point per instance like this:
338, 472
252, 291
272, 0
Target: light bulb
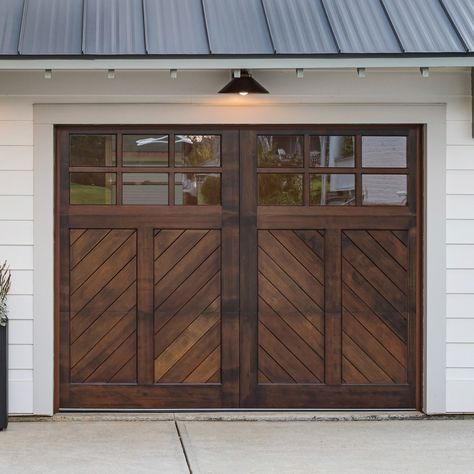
243, 93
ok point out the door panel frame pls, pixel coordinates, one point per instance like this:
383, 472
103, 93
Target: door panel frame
248, 217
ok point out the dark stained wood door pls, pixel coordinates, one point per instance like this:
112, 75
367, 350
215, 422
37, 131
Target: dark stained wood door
148, 265
239, 267
330, 316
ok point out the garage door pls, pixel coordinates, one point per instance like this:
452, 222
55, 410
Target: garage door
222, 267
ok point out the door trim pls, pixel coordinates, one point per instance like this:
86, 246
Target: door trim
46, 116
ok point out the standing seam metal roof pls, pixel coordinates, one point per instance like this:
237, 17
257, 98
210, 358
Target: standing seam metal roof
235, 27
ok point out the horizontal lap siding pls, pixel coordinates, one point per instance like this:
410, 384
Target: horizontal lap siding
460, 263
16, 245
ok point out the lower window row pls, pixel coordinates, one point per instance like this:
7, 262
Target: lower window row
332, 189
274, 189
145, 188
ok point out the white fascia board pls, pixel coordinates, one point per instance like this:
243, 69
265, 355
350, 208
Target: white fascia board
144, 64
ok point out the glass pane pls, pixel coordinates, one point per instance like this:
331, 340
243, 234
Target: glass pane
92, 188
145, 188
332, 151
145, 150
384, 189
197, 189
197, 150
280, 189
280, 151
92, 150
384, 152
332, 190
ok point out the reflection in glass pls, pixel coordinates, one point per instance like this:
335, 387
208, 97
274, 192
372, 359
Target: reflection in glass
332, 190
384, 189
197, 189
145, 150
332, 151
92, 150
145, 188
280, 189
197, 150
280, 151
384, 152
92, 188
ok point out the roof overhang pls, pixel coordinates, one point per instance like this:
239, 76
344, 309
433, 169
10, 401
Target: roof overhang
248, 62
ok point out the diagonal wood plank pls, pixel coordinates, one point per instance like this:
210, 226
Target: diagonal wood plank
288, 287
379, 256
207, 368
97, 257
374, 276
301, 252
176, 251
84, 244
311, 334
179, 347
285, 358
291, 266
193, 357
292, 340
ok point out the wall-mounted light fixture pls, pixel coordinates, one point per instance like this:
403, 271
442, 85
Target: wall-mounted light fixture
111, 74
48, 73
361, 72
243, 85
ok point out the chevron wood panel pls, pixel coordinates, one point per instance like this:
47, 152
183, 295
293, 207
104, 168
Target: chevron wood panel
290, 306
103, 306
374, 306
187, 298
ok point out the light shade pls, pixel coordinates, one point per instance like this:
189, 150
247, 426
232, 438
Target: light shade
243, 85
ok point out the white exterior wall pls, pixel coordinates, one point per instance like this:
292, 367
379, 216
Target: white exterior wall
19, 91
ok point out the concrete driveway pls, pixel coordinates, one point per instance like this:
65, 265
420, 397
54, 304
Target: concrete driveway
172, 446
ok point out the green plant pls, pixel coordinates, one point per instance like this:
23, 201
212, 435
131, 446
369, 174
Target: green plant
5, 284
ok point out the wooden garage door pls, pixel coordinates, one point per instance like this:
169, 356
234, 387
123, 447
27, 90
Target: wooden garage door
329, 308
148, 268
178, 288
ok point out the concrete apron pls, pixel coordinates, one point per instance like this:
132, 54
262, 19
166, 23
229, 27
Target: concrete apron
280, 416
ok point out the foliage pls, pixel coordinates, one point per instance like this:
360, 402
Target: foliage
201, 150
280, 189
211, 190
5, 284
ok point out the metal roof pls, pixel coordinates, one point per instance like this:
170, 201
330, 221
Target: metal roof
235, 28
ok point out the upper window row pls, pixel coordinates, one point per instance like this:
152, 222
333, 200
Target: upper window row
287, 151
94, 151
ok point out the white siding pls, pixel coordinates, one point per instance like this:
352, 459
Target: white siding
16, 243
23, 89
460, 263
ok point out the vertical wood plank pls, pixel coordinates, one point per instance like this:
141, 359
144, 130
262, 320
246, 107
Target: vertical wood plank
230, 269
248, 269
333, 306
145, 315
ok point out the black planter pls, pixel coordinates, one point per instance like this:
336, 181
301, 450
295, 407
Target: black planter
3, 377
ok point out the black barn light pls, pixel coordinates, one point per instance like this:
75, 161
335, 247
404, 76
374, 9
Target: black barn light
243, 85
